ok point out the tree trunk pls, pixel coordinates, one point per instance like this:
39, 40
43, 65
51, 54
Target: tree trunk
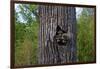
50, 16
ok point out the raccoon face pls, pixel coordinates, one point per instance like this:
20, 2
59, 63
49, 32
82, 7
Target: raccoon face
61, 37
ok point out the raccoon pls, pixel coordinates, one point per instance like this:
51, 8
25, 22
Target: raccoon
61, 37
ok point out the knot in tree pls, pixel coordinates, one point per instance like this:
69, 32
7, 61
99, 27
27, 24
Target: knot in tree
61, 37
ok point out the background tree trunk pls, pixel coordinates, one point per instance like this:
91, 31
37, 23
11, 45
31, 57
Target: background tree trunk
50, 16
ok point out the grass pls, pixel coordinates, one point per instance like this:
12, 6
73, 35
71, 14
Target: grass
85, 40
26, 47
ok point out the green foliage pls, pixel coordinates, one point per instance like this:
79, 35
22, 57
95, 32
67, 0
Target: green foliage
26, 35
85, 37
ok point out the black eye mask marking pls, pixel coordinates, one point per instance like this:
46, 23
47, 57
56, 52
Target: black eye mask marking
60, 36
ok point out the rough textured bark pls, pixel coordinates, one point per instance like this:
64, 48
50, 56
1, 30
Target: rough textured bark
50, 16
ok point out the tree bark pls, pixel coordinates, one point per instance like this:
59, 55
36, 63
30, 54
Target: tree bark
50, 16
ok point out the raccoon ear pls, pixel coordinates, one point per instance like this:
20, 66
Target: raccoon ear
58, 28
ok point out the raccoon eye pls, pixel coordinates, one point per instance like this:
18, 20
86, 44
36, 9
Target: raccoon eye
64, 36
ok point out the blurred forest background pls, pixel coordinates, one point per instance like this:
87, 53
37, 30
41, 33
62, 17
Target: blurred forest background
26, 34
